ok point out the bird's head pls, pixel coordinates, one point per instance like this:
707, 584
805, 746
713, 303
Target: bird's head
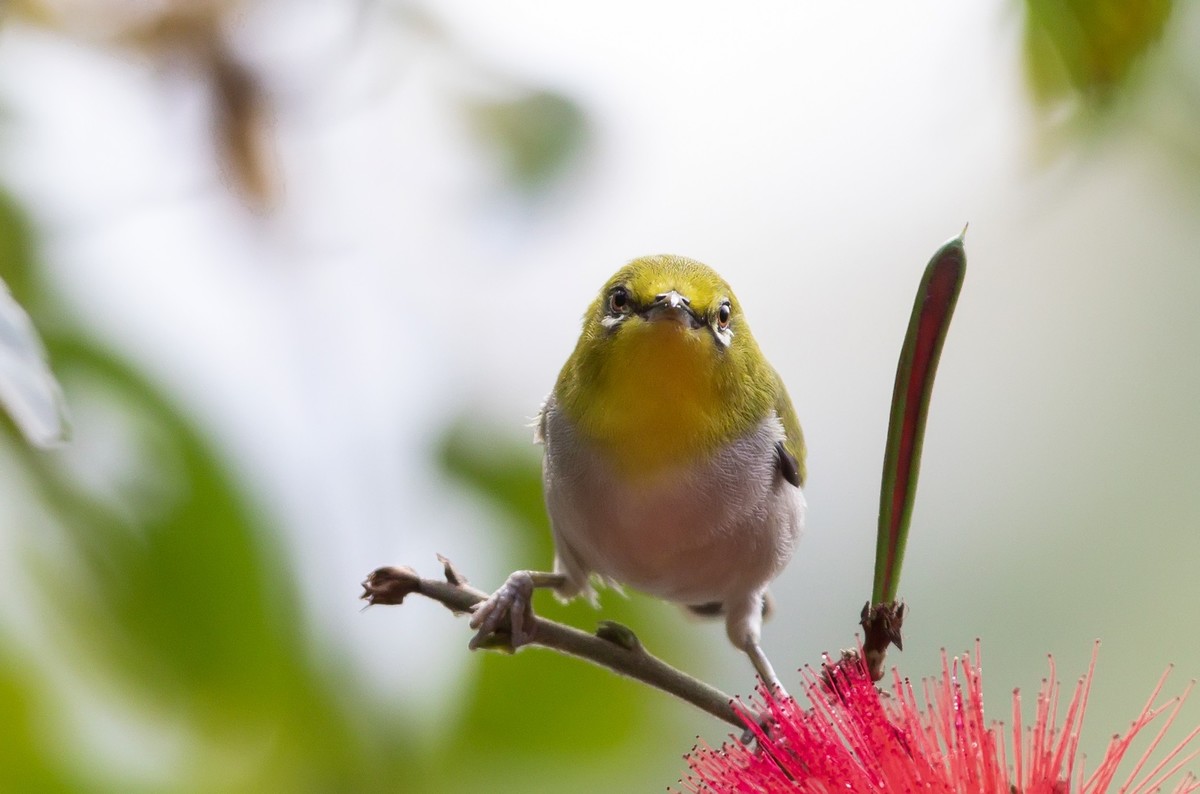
666, 363
659, 295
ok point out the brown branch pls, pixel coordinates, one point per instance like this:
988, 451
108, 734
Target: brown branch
612, 646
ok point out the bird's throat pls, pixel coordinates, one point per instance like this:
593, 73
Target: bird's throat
657, 402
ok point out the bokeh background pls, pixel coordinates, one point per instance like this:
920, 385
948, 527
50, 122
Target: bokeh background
306, 270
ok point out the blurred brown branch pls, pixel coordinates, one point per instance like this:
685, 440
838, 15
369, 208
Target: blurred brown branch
193, 32
612, 646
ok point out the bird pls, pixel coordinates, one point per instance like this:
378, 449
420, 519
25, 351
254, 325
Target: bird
673, 459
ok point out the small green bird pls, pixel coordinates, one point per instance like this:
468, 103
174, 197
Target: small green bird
673, 458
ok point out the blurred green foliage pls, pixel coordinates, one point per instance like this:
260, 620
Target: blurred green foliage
16, 249
535, 136
29, 764
177, 601
1088, 48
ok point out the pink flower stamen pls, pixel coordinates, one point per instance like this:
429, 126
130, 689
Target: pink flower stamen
853, 739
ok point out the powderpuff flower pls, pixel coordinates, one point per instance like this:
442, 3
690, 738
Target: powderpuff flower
855, 738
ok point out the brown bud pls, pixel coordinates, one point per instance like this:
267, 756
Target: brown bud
882, 625
389, 585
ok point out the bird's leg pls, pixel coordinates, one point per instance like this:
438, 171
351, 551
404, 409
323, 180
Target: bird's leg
512, 603
743, 626
763, 665
767, 673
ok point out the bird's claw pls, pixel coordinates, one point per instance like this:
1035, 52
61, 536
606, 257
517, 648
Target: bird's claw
766, 722
511, 604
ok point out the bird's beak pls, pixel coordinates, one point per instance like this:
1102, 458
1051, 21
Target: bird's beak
672, 306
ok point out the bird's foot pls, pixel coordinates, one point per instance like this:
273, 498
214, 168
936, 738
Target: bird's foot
765, 721
511, 606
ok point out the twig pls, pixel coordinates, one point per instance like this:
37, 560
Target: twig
613, 646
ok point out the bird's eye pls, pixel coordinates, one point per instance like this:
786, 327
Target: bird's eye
723, 315
618, 301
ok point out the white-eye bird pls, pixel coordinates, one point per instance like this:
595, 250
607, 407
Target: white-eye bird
673, 458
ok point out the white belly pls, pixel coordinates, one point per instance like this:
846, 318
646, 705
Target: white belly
715, 531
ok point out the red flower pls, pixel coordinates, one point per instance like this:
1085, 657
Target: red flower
855, 739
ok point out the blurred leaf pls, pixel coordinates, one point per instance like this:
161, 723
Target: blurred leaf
29, 393
1088, 48
16, 250
184, 603
534, 136
191, 585
27, 766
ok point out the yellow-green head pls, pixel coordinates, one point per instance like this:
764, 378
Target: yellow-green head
666, 370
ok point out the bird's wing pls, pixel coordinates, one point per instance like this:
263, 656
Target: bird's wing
791, 450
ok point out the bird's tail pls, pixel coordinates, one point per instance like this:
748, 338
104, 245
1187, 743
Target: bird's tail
716, 609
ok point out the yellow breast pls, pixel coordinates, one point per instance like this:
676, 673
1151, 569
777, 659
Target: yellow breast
656, 403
